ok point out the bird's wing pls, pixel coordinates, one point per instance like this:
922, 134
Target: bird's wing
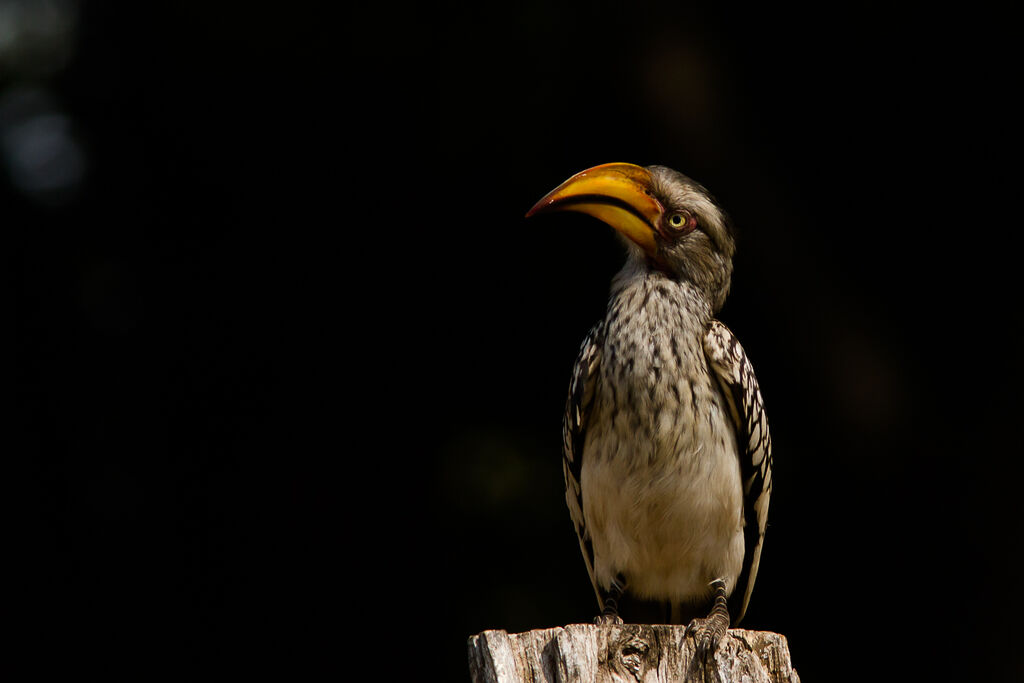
739, 386
574, 429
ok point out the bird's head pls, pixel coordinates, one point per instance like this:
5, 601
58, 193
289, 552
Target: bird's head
672, 224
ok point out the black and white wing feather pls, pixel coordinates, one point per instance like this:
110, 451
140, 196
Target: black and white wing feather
739, 385
574, 425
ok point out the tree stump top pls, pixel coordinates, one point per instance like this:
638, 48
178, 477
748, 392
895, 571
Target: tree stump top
628, 653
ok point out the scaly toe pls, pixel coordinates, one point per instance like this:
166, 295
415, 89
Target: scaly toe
707, 632
608, 620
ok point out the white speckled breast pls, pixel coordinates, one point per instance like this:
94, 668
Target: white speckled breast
662, 497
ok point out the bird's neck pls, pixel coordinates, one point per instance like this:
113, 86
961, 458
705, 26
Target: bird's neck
650, 293
653, 330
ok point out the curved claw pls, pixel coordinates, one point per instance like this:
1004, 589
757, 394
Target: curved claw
608, 620
707, 632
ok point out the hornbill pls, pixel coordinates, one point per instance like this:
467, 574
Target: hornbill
667, 454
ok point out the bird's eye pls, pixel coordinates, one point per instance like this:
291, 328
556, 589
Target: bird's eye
682, 222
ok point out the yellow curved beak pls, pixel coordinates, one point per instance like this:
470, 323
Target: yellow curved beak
617, 194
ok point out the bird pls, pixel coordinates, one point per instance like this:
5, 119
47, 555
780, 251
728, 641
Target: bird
666, 449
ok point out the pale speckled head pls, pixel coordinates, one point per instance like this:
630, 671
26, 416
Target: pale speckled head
695, 242
671, 222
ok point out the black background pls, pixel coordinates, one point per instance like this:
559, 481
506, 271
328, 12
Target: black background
291, 363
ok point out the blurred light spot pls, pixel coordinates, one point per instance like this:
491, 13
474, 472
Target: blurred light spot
36, 36
682, 85
871, 387
40, 153
494, 471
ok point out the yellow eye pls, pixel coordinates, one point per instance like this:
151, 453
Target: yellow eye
681, 223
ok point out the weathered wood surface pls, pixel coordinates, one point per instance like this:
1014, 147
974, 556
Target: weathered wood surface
628, 653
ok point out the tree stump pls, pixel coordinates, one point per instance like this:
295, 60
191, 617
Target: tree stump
628, 653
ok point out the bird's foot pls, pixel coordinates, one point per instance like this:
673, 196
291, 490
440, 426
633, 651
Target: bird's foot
607, 619
707, 632
610, 601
